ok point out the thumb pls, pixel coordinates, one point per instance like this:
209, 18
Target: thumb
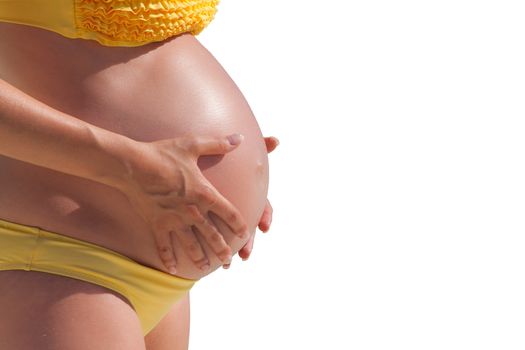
214, 145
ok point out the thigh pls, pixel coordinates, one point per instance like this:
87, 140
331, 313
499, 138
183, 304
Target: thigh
47, 311
172, 333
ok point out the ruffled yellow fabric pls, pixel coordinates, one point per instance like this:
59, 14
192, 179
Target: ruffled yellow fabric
138, 22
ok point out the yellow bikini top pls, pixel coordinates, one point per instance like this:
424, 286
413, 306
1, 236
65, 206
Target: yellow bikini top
112, 22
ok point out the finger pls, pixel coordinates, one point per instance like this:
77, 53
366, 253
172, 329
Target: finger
227, 265
207, 145
193, 248
165, 249
215, 240
246, 251
231, 216
271, 143
266, 217
210, 197
203, 195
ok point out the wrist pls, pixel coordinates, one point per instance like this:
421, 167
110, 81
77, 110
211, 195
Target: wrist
120, 152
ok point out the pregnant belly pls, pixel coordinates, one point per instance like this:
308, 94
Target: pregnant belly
159, 91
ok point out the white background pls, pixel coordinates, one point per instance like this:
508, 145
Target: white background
399, 184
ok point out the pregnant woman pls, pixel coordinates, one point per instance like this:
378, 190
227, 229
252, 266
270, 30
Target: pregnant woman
131, 166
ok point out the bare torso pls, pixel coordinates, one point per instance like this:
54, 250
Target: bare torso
157, 91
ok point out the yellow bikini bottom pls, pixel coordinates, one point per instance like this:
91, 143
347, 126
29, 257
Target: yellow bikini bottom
151, 292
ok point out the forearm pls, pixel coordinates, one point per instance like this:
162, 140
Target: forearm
36, 133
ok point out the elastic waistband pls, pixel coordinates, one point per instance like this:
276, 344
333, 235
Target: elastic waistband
19, 227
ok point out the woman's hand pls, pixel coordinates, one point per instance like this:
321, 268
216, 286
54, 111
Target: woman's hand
169, 191
266, 217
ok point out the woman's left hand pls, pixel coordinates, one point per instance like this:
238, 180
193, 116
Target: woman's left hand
266, 217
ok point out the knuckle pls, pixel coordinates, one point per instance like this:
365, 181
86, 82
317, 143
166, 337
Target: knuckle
243, 228
205, 225
192, 247
196, 143
195, 213
192, 147
167, 261
200, 262
204, 194
166, 255
186, 142
215, 237
225, 254
224, 146
180, 143
233, 216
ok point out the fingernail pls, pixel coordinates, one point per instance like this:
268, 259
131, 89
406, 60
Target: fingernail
235, 139
172, 270
226, 267
205, 267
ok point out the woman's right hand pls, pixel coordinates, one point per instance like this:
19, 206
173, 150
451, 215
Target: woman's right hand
168, 190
